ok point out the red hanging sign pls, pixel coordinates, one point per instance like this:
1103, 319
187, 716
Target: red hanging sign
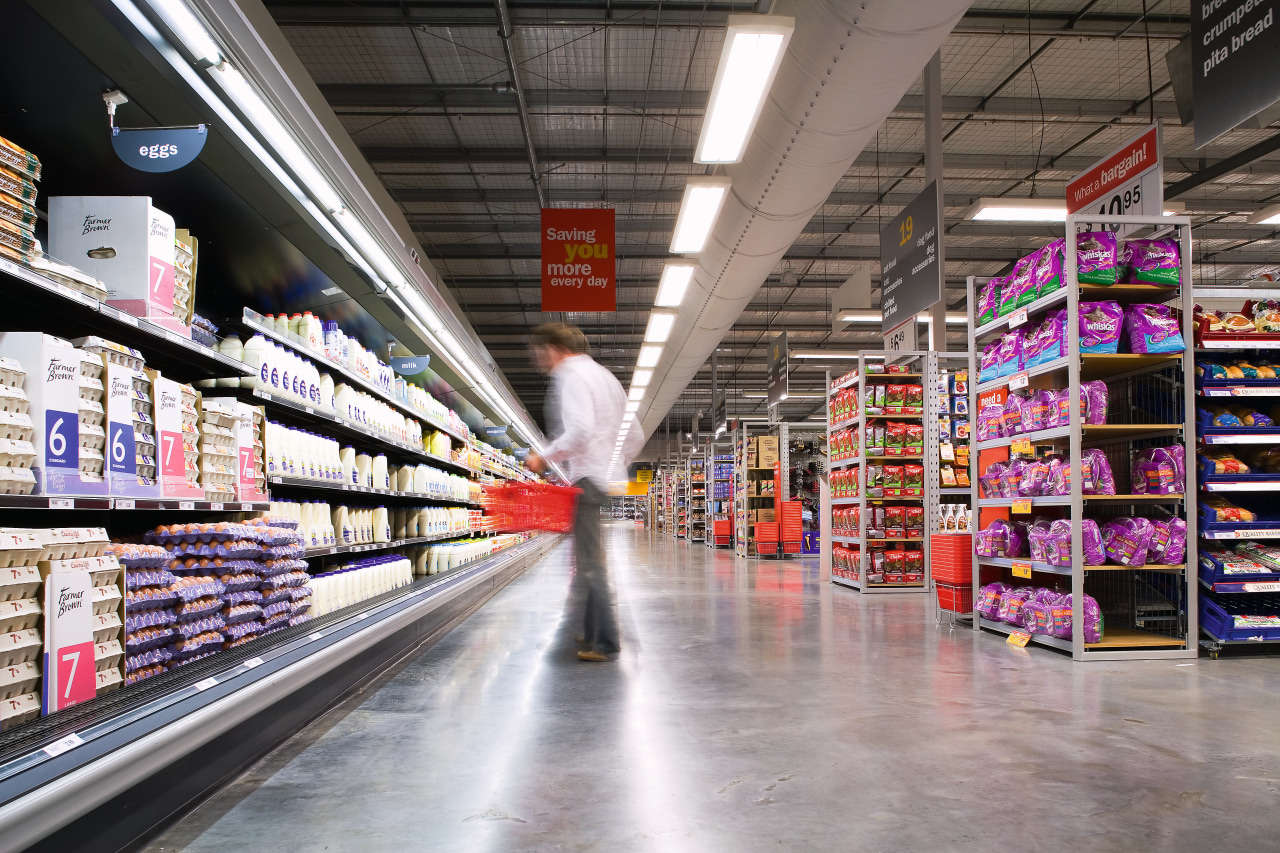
578, 260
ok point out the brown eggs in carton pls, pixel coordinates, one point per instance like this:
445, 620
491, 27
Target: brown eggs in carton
19, 614
19, 679
20, 646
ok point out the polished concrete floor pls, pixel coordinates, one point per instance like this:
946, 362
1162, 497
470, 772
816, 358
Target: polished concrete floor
755, 708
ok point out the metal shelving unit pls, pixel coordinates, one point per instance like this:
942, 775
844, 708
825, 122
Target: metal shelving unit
696, 478
1251, 593
1149, 612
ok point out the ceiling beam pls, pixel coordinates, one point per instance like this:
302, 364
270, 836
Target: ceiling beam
461, 13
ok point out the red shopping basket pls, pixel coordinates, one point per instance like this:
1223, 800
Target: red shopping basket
521, 507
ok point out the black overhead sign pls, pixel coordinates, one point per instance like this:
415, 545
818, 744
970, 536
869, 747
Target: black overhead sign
1235, 45
910, 278
779, 369
720, 413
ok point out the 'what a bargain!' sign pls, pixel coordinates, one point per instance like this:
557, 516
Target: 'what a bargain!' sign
578, 263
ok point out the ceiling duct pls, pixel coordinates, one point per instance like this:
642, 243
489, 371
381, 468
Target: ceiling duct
847, 67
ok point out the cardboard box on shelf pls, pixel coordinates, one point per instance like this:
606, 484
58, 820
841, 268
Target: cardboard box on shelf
769, 443
767, 458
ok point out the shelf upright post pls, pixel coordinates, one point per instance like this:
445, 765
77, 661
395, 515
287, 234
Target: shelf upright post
825, 527
864, 555
1189, 490
1070, 267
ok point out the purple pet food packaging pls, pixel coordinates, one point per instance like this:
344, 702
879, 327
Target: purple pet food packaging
1100, 324
1153, 328
1012, 356
1126, 540
989, 364
989, 300
1151, 261
1019, 289
1046, 272
1097, 260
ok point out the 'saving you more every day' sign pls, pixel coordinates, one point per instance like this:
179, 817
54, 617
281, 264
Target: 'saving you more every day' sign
578, 260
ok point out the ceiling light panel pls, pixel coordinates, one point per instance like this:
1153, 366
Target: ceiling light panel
699, 207
673, 284
649, 355
659, 328
753, 49
641, 378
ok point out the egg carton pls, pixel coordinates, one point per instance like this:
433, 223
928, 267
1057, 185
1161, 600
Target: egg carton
208, 476
106, 598
18, 427
92, 437
108, 680
18, 710
115, 353
91, 412
90, 366
65, 543
212, 429
144, 422
19, 679
90, 388
20, 646
221, 452
16, 454
19, 547
91, 462
103, 569
17, 481
107, 655
189, 394
19, 582
211, 493
143, 437
11, 373
141, 402
142, 382
91, 476
189, 426
14, 400
106, 626
19, 614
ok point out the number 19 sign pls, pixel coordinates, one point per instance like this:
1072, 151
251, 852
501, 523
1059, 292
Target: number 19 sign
910, 272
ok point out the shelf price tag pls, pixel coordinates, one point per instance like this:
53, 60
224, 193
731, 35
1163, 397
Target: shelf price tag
1021, 569
69, 742
1021, 445
186, 505
1019, 639
1021, 506
1018, 318
121, 503
62, 503
1262, 587
1020, 380
206, 684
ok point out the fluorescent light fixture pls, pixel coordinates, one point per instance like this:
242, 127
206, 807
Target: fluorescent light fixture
636, 393
791, 395
833, 354
955, 318
633, 407
1266, 216
749, 60
366, 243
641, 378
189, 31
659, 328
1034, 210
673, 284
262, 118
699, 207
649, 355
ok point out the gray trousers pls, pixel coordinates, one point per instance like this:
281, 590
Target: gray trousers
591, 576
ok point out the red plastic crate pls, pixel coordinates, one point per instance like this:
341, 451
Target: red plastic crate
957, 599
767, 531
951, 559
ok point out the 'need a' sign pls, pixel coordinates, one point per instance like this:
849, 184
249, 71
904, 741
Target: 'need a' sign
578, 260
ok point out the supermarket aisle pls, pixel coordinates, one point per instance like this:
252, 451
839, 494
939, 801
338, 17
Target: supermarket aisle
755, 708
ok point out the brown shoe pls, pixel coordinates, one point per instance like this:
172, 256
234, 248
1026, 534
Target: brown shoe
593, 655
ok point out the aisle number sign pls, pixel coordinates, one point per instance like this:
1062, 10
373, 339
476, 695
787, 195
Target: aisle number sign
1127, 182
578, 260
644, 475
910, 271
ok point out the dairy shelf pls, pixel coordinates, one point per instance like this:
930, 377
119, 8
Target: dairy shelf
105, 503
328, 550
29, 294
320, 485
252, 321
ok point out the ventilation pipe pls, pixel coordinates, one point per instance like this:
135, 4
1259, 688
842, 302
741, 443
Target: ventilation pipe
847, 67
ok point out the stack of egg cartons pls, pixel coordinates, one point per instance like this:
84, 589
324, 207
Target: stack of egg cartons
283, 579
218, 450
198, 555
84, 549
260, 450
17, 453
191, 435
21, 641
93, 416
117, 357
184, 263
148, 609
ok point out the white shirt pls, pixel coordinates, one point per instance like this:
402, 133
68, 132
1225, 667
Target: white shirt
589, 404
